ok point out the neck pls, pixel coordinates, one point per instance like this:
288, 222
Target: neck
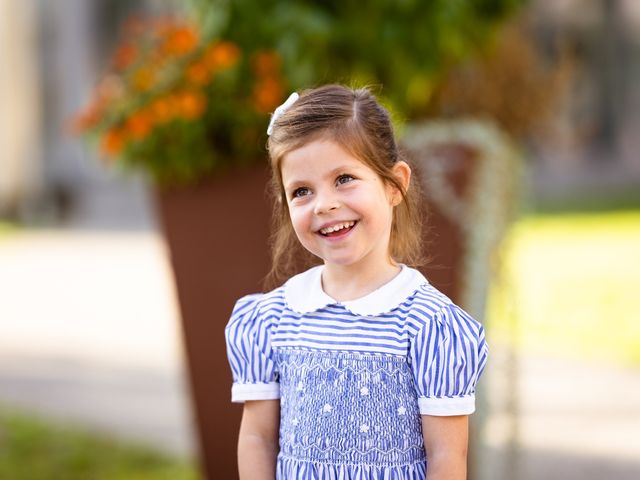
348, 283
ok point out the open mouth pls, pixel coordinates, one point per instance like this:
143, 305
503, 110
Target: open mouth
337, 229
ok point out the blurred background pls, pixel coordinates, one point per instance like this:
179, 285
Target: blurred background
93, 377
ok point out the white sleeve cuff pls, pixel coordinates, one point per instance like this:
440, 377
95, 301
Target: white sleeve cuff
447, 406
240, 392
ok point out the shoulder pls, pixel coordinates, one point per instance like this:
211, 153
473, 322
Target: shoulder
258, 306
429, 308
424, 304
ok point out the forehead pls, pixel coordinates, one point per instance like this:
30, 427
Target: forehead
318, 158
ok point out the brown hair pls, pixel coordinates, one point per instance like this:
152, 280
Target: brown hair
358, 123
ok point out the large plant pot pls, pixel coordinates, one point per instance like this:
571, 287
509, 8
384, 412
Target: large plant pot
217, 236
443, 238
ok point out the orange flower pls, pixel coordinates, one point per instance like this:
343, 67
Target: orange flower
135, 25
112, 142
110, 88
162, 25
180, 40
267, 63
198, 74
143, 79
139, 125
86, 119
268, 94
222, 55
124, 56
161, 111
268, 91
191, 104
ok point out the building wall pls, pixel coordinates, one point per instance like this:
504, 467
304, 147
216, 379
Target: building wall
596, 145
20, 173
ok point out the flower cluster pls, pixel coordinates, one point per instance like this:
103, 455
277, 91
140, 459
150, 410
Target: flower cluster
179, 104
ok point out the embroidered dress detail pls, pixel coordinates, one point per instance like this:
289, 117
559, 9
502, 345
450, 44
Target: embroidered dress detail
350, 427
354, 378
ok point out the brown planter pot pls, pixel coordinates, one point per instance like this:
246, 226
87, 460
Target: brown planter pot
443, 238
217, 234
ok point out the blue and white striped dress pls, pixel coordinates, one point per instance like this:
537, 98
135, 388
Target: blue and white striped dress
354, 377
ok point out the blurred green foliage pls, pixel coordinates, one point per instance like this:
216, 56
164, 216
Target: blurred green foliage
515, 81
32, 449
405, 46
189, 95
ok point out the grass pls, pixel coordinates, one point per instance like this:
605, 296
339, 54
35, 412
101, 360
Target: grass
6, 228
32, 449
603, 202
569, 286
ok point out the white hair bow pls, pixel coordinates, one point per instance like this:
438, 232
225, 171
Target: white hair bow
280, 110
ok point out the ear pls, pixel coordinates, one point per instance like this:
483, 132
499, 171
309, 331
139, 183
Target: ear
402, 171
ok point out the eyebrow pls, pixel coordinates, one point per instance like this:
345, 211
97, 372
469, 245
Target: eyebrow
298, 182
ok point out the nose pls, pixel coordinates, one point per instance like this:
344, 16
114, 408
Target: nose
325, 202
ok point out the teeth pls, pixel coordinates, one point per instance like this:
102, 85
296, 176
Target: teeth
335, 228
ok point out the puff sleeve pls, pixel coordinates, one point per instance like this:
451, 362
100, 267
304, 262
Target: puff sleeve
448, 355
249, 352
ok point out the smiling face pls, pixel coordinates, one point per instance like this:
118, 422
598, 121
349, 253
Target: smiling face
340, 209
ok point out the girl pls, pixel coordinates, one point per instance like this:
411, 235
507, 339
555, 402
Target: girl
357, 368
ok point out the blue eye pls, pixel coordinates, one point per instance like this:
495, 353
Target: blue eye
344, 179
300, 192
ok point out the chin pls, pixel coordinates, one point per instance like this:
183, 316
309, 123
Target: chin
341, 262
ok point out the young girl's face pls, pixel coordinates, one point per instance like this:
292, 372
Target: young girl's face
340, 209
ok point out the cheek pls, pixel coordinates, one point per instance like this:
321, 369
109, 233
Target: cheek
299, 221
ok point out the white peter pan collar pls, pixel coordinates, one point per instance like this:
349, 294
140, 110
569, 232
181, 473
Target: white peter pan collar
304, 294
